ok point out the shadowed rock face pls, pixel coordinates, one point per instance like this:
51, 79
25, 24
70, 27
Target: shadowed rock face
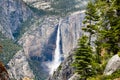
12, 14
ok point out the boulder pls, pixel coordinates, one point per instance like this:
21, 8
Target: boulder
112, 65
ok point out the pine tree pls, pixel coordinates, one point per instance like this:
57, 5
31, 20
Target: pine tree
109, 26
83, 58
91, 20
102, 20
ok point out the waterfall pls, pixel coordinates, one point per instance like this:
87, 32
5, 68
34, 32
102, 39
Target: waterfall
57, 49
57, 56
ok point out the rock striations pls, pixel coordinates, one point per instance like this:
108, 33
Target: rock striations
38, 37
12, 14
71, 31
19, 67
38, 41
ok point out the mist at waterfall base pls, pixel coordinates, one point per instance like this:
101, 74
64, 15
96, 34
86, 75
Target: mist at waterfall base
54, 64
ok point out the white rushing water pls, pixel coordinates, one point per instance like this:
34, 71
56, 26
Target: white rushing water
57, 55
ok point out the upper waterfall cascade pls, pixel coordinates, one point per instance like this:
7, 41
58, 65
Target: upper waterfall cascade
57, 55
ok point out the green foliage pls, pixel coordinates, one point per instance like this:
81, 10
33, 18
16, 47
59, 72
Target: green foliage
118, 54
109, 24
113, 76
91, 20
102, 20
60, 67
9, 49
63, 7
106, 77
83, 58
41, 12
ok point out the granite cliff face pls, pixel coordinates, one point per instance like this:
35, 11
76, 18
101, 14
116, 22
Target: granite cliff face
71, 31
43, 33
39, 39
12, 14
19, 67
39, 35
39, 44
44, 28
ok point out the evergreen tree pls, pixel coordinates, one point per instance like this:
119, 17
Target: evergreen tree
109, 26
83, 58
91, 20
92, 25
102, 20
